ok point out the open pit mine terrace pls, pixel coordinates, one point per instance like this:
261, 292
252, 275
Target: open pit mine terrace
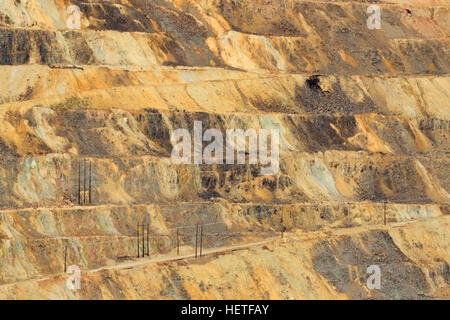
86, 177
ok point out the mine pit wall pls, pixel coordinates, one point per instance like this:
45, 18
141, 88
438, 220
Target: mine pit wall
34, 241
322, 158
353, 153
355, 177
34, 131
229, 34
413, 260
60, 48
336, 93
221, 91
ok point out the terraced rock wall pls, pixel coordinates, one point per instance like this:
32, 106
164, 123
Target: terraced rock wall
364, 120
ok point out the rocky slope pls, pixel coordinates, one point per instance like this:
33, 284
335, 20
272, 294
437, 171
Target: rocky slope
364, 120
331, 265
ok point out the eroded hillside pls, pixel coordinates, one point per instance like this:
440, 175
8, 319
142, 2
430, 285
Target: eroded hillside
364, 122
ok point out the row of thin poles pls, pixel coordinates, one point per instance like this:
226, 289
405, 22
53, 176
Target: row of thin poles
198, 241
87, 178
143, 235
143, 232
65, 258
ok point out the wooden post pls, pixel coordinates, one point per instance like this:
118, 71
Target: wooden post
65, 258
79, 182
178, 242
84, 181
201, 240
196, 241
143, 239
138, 240
384, 205
148, 248
90, 182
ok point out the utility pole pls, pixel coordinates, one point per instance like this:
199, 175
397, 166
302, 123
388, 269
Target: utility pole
90, 182
138, 252
178, 242
201, 240
79, 182
65, 258
84, 181
143, 239
196, 241
148, 248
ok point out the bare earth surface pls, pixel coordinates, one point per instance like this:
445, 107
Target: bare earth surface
364, 120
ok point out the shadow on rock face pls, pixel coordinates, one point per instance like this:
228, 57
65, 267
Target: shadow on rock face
314, 99
344, 263
115, 17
